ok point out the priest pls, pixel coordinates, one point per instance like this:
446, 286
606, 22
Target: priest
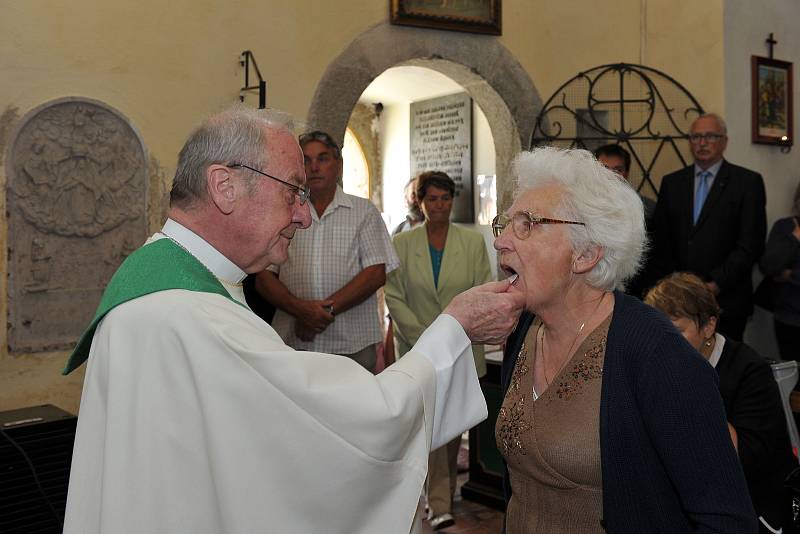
196, 417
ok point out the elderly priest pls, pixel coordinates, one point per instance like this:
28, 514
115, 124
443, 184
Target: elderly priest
196, 417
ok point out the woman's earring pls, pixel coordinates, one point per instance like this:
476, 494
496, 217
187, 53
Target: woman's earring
708, 342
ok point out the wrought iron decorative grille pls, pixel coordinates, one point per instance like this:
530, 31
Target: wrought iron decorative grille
638, 107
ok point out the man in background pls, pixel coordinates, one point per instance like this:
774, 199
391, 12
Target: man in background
325, 292
711, 220
616, 158
414, 216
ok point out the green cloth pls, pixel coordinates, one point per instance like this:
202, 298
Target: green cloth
157, 266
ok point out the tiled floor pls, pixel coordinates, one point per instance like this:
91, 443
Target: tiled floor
471, 517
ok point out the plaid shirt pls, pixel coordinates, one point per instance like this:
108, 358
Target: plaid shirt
349, 237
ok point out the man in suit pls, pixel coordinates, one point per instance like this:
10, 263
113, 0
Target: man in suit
710, 220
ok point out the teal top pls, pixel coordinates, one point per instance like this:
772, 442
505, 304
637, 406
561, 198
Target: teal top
157, 266
436, 263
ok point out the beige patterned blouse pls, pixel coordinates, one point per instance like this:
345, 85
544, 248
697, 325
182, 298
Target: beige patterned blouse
552, 444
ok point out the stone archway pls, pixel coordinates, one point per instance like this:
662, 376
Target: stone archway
483, 66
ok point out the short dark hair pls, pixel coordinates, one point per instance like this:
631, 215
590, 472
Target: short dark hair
434, 179
684, 295
614, 150
321, 137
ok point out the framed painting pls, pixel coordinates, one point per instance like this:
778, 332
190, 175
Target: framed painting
475, 16
772, 102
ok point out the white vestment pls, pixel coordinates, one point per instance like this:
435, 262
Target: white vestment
197, 418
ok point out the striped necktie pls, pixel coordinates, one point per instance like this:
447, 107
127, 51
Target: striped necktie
701, 193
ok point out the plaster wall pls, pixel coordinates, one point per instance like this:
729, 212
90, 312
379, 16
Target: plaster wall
395, 146
166, 64
555, 40
483, 154
746, 29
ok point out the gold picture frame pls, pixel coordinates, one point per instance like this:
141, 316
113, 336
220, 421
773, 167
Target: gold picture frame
773, 120
473, 16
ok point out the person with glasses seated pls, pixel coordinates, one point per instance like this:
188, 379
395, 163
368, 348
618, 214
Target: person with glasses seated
325, 294
197, 418
609, 417
753, 407
711, 220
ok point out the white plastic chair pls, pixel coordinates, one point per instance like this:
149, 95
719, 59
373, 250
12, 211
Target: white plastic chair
786, 375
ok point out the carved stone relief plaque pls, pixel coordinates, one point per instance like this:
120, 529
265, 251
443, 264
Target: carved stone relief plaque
77, 198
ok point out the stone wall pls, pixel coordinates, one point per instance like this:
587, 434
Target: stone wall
363, 123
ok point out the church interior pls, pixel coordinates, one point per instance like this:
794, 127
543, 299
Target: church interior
98, 97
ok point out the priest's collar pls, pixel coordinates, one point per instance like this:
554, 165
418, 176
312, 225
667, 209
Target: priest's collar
219, 265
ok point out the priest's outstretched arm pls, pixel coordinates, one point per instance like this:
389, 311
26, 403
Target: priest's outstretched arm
195, 417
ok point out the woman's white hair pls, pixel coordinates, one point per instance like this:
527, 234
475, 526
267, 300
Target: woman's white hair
606, 203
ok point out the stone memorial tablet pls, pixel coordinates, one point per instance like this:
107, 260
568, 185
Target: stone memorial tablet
441, 140
76, 194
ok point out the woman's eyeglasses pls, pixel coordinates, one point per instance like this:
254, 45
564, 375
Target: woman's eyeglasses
522, 222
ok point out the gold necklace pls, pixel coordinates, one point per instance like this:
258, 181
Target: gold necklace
572, 345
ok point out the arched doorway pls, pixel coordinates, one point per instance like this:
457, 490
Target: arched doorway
482, 65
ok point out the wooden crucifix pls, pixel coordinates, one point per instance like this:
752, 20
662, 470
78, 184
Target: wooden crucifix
771, 42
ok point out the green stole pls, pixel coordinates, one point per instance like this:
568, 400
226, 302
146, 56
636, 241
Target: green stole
157, 266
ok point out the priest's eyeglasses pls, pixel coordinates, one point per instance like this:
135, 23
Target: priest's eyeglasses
302, 192
522, 222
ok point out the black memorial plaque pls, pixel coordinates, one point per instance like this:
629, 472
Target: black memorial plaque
441, 140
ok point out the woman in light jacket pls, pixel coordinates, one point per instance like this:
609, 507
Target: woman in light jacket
438, 260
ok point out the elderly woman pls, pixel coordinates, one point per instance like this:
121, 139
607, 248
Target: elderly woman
438, 260
752, 401
610, 418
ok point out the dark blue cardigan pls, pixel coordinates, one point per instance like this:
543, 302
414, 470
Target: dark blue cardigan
666, 455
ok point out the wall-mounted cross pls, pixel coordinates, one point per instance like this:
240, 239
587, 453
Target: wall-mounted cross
771, 43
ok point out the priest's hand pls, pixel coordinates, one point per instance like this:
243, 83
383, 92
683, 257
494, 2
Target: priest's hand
488, 313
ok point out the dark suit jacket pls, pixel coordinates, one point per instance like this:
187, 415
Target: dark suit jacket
667, 459
753, 406
727, 240
783, 252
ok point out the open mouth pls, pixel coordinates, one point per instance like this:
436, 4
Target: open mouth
512, 274
508, 270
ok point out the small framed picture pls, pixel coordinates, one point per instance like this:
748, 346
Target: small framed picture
474, 16
772, 101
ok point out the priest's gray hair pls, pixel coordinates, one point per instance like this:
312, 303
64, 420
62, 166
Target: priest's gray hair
235, 135
610, 208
